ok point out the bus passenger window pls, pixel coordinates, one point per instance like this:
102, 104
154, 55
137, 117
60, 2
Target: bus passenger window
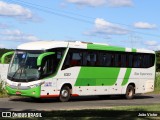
123, 60
130, 60
73, 58
117, 60
76, 59
67, 61
91, 59
47, 67
84, 58
137, 61
108, 59
148, 61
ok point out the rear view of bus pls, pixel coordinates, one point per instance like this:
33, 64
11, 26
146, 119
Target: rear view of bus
60, 69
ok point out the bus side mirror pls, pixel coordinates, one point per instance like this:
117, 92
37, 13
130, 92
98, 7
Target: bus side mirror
41, 56
5, 55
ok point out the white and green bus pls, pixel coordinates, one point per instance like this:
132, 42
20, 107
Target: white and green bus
47, 69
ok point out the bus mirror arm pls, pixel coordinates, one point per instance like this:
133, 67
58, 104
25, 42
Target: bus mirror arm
43, 55
5, 55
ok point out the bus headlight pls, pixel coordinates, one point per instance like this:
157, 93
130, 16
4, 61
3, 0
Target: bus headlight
36, 85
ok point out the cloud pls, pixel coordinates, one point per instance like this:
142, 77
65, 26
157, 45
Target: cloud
12, 32
105, 28
17, 35
88, 2
2, 46
3, 26
120, 3
144, 25
16, 11
95, 3
155, 48
151, 43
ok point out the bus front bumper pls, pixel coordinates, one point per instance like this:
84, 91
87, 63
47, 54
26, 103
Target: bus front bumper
31, 92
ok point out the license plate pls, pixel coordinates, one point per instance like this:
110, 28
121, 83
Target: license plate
18, 93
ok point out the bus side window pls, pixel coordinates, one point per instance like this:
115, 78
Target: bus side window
67, 62
137, 61
76, 59
84, 58
152, 59
117, 60
47, 66
91, 59
73, 58
103, 59
123, 60
130, 60
148, 61
108, 59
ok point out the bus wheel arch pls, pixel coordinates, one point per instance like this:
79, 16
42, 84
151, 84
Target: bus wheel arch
130, 91
65, 92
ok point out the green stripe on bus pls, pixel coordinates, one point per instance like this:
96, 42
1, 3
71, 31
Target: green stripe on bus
127, 75
128, 72
104, 47
97, 76
133, 50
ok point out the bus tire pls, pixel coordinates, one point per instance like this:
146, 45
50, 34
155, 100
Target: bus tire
129, 92
65, 94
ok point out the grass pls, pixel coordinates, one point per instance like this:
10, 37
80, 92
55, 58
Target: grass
115, 113
157, 84
2, 90
154, 108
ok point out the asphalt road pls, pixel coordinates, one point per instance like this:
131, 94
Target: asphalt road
76, 103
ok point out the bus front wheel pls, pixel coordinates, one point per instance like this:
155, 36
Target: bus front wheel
129, 92
65, 94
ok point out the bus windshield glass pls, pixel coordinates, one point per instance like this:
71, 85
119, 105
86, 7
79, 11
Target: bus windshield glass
23, 66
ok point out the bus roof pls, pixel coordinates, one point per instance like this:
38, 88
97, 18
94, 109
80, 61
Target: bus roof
44, 45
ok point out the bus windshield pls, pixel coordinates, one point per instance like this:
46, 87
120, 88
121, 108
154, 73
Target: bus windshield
23, 66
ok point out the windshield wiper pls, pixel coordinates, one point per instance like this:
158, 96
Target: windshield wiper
15, 73
20, 67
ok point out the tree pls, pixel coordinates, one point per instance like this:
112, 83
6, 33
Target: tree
158, 61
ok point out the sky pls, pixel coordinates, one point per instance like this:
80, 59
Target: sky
125, 23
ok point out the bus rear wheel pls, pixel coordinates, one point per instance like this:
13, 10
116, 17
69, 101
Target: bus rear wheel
65, 94
129, 92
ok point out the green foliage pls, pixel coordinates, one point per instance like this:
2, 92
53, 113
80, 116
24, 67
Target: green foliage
158, 61
157, 83
2, 91
114, 113
2, 51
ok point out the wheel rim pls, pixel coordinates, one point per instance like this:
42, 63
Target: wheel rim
64, 93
